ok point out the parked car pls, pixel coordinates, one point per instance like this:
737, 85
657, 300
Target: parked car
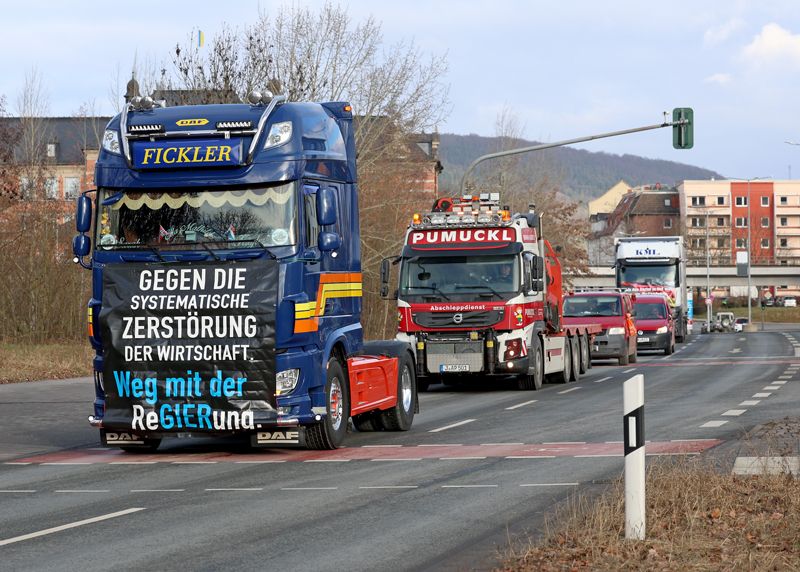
613, 311
790, 301
655, 325
739, 324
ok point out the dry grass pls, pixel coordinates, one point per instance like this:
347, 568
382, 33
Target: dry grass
28, 362
697, 519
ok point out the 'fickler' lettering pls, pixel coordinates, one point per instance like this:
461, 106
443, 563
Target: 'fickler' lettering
464, 235
195, 154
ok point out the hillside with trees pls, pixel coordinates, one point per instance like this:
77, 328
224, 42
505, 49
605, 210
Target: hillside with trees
582, 174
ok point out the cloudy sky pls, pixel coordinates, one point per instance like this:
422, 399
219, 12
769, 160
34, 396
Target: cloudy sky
565, 69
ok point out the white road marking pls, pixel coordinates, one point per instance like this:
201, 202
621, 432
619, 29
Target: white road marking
549, 485
391, 487
327, 461
68, 526
742, 339
750, 402
393, 460
380, 446
780, 382
446, 427
259, 462
714, 424
194, 462
602, 379
690, 440
461, 458
499, 444
523, 404
734, 412
65, 463
784, 377
761, 395
17, 491
158, 490
592, 456
564, 443
17, 463
469, 486
629, 370
772, 387
236, 489
89, 491
133, 462
568, 390
614, 442
796, 352
735, 351
309, 488
444, 445
531, 457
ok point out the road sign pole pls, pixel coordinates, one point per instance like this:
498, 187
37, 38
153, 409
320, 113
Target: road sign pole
633, 409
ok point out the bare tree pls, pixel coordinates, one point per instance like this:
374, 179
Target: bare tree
9, 169
33, 106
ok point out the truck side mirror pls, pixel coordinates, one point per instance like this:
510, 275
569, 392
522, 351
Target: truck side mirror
81, 245
329, 241
83, 214
538, 267
326, 206
537, 285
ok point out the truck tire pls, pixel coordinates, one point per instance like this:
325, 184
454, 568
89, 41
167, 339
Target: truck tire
528, 381
565, 374
401, 416
367, 422
583, 343
329, 433
150, 446
575, 349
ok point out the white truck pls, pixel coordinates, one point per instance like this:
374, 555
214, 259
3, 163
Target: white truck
656, 264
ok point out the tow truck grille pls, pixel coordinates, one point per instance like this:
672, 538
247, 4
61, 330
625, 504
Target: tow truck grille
479, 319
462, 357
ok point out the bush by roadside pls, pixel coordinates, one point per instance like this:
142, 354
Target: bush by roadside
29, 362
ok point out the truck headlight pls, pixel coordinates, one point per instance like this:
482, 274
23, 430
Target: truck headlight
279, 133
616, 331
286, 380
662, 330
111, 141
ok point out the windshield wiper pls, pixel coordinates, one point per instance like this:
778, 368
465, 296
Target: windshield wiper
486, 286
155, 251
267, 250
434, 288
211, 252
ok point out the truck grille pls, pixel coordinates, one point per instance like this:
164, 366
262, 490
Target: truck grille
480, 319
457, 353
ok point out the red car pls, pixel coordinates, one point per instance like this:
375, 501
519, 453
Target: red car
655, 326
613, 311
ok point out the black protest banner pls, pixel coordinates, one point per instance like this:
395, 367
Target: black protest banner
189, 347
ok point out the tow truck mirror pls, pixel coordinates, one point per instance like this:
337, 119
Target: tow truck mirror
537, 285
329, 241
538, 267
81, 245
385, 278
326, 206
83, 214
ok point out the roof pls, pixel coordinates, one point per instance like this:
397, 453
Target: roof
71, 135
652, 203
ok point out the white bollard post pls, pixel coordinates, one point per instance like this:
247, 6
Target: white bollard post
633, 409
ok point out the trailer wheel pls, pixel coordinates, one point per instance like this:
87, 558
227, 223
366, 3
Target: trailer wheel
565, 374
401, 416
150, 446
583, 342
366, 422
528, 381
329, 433
575, 350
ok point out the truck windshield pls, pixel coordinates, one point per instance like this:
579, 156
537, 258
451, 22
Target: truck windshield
650, 274
449, 276
580, 306
264, 216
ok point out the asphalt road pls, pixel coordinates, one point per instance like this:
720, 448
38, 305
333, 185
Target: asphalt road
478, 470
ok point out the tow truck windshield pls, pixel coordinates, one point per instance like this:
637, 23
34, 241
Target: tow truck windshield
197, 219
460, 277
650, 274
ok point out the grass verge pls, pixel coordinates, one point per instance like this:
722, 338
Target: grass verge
29, 362
771, 314
697, 519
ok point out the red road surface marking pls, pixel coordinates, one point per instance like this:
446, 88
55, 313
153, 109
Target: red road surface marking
367, 454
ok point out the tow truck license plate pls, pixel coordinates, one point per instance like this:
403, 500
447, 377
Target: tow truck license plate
642, 339
454, 367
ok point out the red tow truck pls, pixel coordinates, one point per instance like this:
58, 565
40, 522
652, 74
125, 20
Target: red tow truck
480, 292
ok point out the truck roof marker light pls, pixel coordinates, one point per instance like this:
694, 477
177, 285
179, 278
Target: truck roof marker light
348, 108
505, 216
90, 321
416, 220
254, 97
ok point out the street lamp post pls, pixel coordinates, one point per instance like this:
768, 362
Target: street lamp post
708, 278
749, 257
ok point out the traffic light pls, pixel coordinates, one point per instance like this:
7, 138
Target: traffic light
683, 135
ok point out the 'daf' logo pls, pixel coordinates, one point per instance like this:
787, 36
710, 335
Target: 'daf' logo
191, 122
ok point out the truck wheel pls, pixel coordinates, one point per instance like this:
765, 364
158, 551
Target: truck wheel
528, 381
366, 422
575, 350
329, 433
150, 446
565, 374
583, 343
401, 416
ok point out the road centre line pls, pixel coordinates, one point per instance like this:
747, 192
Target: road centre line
65, 463
379, 446
393, 460
568, 390
629, 370
443, 445
761, 395
714, 424
592, 456
69, 525
390, 487
17, 463
531, 457
327, 460
133, 462
158, 490
446, 427
194, 462
469, 486
17, 491
259, 462
309, 488
523, 404
549, 484
688, 440
750, 402
602, 379
734, 412
499, 444
461, 458
564, 443
252, 489
89, 491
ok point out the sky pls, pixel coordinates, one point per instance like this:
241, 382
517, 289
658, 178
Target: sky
564, 70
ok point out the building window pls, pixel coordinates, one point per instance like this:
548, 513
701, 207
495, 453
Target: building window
764, 222
698, 222
740, 243
764, 243
784, 262
667, 223
51, 188
741, 201
698, 201
784, 200
741, 222
666, 202
721, 243
699, 242
72, 186
51, 150
784, 221
720, 221
720, 201
784, 243
764, 201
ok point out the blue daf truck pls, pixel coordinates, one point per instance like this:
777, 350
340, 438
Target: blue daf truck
223, 242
